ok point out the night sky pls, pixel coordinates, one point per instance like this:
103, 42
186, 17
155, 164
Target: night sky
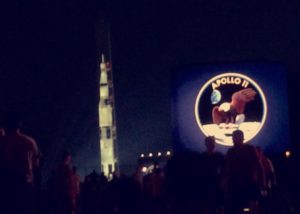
49, 57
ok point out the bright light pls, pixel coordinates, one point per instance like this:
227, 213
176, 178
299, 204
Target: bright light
246, 209
142, 155
150, 154
159, 154
110, 176
168, 153
287, 154
144, 169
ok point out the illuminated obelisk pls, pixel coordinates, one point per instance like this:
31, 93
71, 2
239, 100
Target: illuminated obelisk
107, 122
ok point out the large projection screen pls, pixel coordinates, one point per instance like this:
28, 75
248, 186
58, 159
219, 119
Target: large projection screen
215, 100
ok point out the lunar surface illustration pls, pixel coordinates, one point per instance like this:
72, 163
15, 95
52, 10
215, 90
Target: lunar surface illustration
222, 132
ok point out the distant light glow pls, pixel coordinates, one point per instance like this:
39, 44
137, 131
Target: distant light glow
144, 169
287, 154
168, 153
110, 176
150, 154
142, 155
246, 209
159, 154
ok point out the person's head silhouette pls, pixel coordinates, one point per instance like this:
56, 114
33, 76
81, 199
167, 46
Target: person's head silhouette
67, 157
210, 144
237, 137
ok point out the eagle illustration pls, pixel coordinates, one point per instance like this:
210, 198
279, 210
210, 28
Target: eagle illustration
233, 111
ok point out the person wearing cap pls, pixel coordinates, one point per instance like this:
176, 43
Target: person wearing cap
214, 161
243, 175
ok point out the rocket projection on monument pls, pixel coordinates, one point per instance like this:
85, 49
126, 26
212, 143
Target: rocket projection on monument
107, 122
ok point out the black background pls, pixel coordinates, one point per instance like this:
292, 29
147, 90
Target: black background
48, 64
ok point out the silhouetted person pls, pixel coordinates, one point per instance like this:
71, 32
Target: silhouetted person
243, 175
126, 196
138, 176
75, 190
215, 162
186, 176
60, 186
95, 195
19, 158
153, 190
268, 182
269, 177
2, 133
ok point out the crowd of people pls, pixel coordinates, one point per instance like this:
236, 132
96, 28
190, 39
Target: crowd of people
191, 182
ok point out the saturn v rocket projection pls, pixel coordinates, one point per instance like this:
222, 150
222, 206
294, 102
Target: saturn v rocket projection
107, 122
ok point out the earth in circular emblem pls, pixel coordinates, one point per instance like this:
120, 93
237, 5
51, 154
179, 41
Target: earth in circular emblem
228, 102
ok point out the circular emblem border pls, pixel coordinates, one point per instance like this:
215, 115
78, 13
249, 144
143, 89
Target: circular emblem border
237, 75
